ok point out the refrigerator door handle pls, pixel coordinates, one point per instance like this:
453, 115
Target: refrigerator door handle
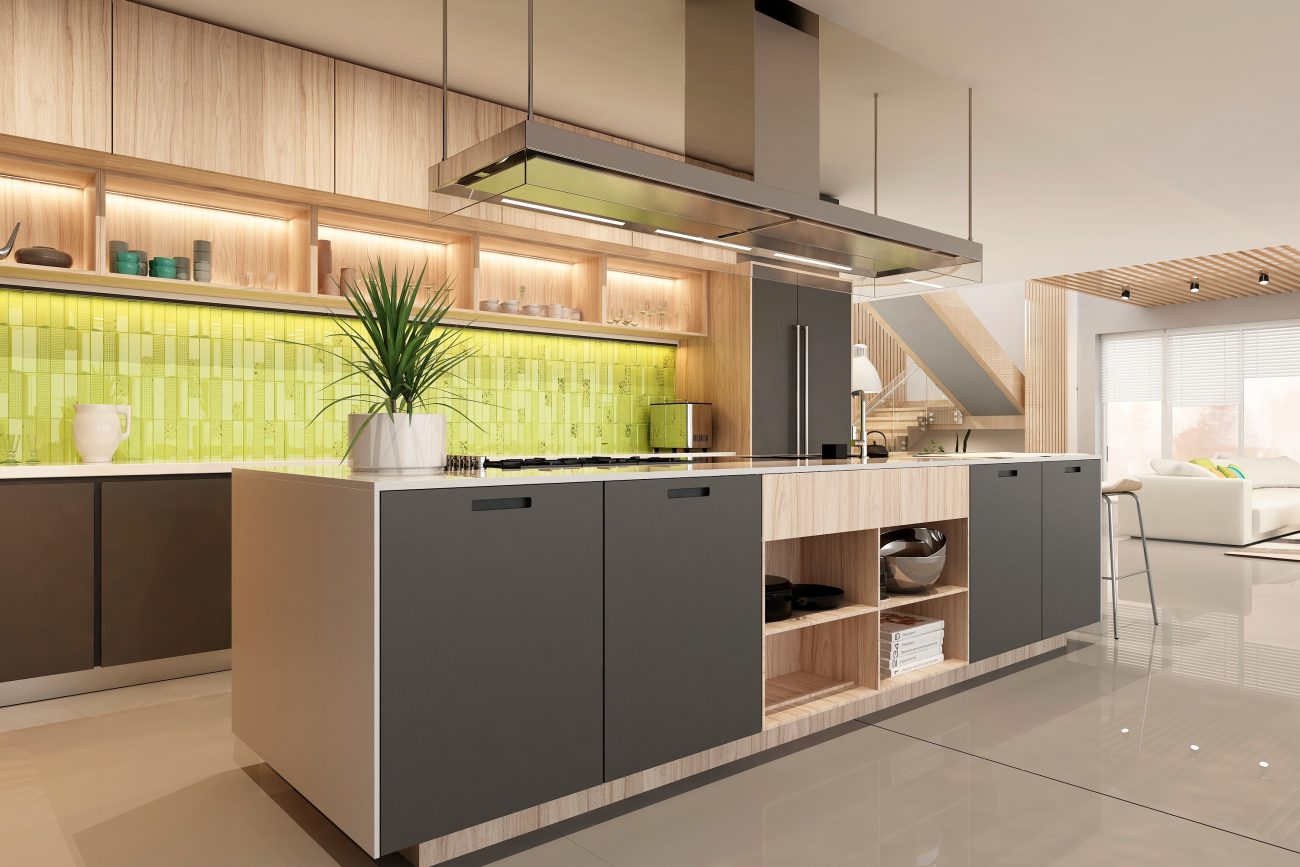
798, 387
807, 387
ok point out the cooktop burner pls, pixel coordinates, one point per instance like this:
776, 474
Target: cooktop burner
593, 461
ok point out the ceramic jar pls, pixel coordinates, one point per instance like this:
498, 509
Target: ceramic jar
97, 430
393, 443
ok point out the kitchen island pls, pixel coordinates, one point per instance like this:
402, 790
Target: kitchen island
441, 662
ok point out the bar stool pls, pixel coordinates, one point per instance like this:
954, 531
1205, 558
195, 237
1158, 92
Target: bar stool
1110, 493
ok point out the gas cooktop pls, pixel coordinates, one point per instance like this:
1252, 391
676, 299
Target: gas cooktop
593, 461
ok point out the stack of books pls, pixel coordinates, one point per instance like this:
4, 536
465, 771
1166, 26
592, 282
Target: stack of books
909, 642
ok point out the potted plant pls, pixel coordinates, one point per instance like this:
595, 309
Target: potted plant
403, 353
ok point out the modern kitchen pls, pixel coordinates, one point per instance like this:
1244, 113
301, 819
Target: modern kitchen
512, 470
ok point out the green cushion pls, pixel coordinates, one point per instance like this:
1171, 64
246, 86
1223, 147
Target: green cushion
1209, 465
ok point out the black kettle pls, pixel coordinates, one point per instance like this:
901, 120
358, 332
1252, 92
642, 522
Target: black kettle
875, 450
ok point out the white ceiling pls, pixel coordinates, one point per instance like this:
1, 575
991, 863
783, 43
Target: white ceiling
1107, 133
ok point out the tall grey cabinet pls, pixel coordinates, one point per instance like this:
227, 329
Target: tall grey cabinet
683, 619
1035, 552
802, 338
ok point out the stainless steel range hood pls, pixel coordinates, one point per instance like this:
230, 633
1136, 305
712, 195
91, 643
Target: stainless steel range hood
538, 166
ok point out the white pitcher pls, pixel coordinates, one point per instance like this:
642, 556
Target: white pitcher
97, 430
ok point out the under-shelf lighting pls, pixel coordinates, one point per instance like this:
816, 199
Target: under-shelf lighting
714, 241
518, 203
922, 283
820, 263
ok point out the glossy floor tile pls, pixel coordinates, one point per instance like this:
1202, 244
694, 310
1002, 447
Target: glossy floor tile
1199, 716
1085, 759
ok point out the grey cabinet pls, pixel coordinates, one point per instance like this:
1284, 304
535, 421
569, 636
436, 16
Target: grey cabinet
801, 344
490, 653
164, 568
1006, 530
1071, 551
47, 579
683, 618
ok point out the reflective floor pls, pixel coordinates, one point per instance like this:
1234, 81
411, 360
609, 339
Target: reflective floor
1178, 745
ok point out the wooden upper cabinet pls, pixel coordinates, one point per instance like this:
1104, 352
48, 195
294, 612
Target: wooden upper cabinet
192, 94
387, 135
54, 71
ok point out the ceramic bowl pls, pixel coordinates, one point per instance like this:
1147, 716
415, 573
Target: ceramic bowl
47, 256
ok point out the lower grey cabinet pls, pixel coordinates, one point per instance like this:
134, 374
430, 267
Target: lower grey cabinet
1006, 560
164, 568
47, 579
490, 653
1071, 551
683, 618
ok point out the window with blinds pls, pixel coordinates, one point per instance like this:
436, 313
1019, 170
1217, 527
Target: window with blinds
1132, 368
1200, 393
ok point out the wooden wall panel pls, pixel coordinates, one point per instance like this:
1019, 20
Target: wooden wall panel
1047, 396
386, 135
717, 368
54, 72
196, 95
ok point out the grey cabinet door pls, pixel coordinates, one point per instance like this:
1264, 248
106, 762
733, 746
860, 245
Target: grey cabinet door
1071, 546
490, 653
47, 579
1006, 531
827, 319
775, 314
683, 618
164, 568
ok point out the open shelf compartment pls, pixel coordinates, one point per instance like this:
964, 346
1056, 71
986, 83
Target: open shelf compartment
955, 577
849, 561
510, 270
833, 660
954, 610
256, 243
656, 297
356, 241
56, 206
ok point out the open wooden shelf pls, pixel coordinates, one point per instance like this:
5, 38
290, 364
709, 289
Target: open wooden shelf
900, 600
798, 687
920, 673
804, 619
259, 230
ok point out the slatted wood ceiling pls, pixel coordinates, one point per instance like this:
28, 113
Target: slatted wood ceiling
1222, 276
1047, 396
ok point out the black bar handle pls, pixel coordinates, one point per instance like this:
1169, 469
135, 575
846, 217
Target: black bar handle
1007, 474
1074, 469
501, 503
682, 493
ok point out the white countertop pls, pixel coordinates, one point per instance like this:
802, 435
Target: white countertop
124, 469
342, 476
179, 468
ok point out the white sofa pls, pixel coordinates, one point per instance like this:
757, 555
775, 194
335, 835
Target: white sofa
1219, 511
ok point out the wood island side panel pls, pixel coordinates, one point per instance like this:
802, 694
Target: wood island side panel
304, 657
811, 504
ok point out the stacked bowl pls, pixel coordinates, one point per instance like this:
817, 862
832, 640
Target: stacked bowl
203, 261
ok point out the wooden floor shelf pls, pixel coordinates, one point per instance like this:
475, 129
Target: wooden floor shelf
798, 687
920, 673
900, 599
802, 619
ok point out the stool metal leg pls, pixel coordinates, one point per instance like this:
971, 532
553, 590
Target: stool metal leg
1114, 565
1146, 558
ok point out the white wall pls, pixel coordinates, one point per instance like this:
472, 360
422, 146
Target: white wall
1098, 316
1000, 307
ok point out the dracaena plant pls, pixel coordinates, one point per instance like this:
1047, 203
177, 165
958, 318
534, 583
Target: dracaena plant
403, 351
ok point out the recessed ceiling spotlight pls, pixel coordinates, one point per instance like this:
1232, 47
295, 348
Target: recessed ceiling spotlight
1195, 748
1263, 278
1126, 295
1263, 764
1123, 731
1195, 287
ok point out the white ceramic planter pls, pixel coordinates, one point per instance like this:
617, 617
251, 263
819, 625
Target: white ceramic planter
392, 443
97, 430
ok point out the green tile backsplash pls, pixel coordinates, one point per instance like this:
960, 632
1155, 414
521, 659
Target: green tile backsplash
212, 383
